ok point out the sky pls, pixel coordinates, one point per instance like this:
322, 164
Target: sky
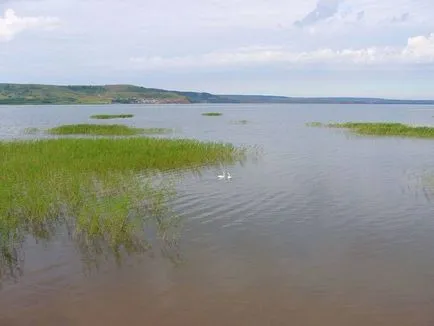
367, 48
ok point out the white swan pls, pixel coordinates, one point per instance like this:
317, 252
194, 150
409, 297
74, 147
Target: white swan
229, 176
222, 176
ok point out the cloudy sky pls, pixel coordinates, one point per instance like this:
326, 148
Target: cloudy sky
376, 48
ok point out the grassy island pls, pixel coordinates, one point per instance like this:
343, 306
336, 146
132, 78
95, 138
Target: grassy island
382, 129
111, 116
105, 130
212, 114
94, 129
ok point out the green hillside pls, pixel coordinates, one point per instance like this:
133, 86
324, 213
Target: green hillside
48, 94
129, 94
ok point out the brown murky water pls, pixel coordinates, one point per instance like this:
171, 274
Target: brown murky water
325, 229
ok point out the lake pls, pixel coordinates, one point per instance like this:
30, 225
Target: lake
323, 228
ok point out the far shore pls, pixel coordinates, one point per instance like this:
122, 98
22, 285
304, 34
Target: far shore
38, 94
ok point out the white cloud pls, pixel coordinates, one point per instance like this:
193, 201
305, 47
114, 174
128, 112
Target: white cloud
183, 41
11, 24
419, 49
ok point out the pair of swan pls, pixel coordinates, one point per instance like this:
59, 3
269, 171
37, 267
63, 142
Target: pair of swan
225, 175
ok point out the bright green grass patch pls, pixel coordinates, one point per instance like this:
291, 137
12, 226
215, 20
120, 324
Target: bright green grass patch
97, 130
101, 189
386, 129
111, 116
212, 114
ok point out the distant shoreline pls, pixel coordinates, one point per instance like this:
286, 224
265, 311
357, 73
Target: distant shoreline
38, 94
239, 103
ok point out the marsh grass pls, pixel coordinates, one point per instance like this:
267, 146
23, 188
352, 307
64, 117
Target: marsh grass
386, 129
100, 189
156, 131
111, 116
106, 130
95, 129
382, 129
212, 114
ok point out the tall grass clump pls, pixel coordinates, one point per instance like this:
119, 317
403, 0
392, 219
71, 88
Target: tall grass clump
111, 116
386, 129
95, 129
212, 114
100, 189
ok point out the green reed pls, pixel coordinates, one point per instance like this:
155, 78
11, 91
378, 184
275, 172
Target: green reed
212, 114
105, 130
156, 131
383, 129
101, 189
95, 129
111, 116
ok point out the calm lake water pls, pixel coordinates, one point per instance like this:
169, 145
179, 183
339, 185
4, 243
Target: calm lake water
325, 228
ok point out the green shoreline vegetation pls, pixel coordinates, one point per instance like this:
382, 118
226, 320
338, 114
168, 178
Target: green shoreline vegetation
381, 129
212, 114
105, 130
111, 116
101, 189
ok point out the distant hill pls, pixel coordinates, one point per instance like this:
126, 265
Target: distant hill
129, 94
109, 94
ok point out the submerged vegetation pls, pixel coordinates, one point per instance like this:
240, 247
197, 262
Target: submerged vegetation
111, 116
212, 114
94, 129
240, 122
382, 129
315, 124
101, 189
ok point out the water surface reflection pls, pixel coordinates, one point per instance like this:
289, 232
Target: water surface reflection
325, 229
